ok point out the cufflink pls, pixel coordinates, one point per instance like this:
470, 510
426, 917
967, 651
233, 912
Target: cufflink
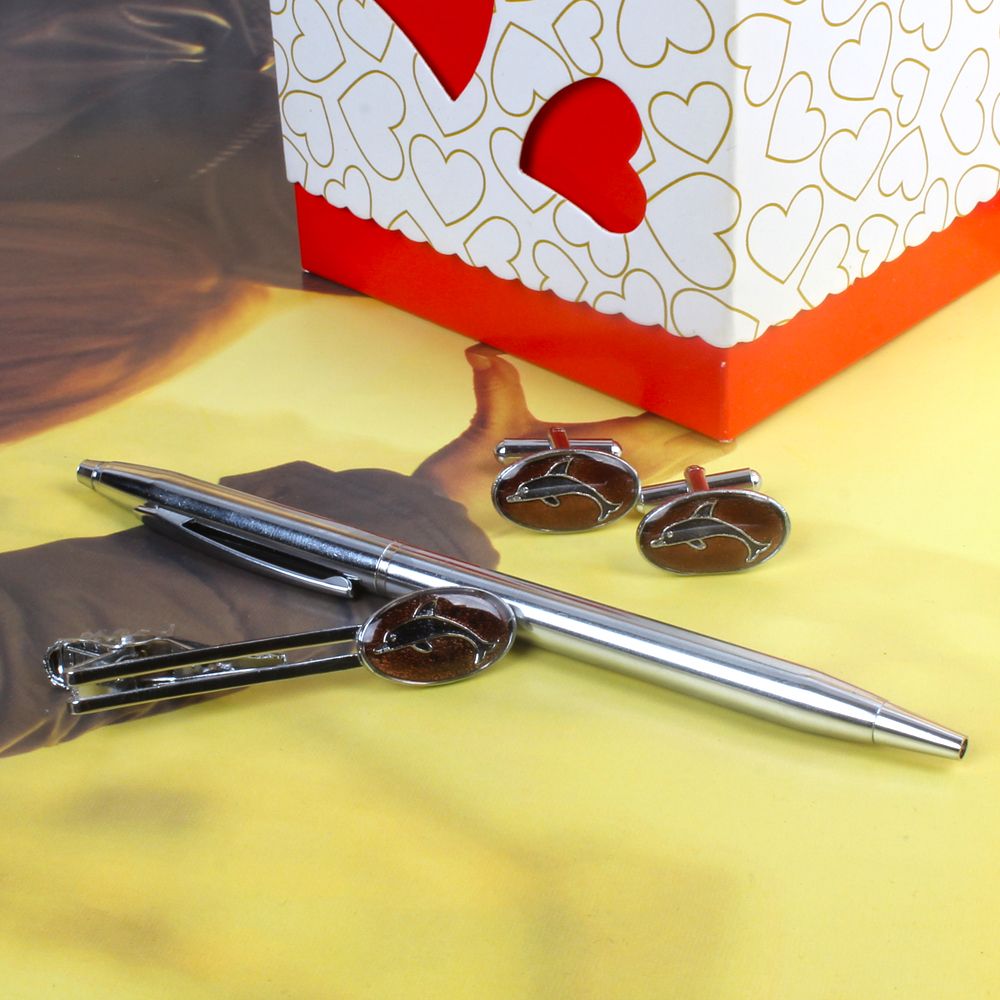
563, 485
559, 485
426, 638
706, 527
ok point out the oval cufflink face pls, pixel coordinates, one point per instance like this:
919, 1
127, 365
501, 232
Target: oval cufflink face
437, 636
566, 491
714, 531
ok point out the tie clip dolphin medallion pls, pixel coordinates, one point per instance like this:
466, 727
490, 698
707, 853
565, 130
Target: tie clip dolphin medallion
426, 638
569, 486
712, 530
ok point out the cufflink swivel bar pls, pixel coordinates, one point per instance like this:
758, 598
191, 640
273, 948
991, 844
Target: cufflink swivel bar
513, 448
741, 479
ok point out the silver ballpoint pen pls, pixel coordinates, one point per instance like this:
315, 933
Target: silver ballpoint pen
315, 552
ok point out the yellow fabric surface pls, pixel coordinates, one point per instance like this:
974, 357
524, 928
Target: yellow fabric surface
550, 829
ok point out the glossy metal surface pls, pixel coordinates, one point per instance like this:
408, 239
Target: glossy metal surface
734, 479
513, 448
132, 675
241, 528
693, 664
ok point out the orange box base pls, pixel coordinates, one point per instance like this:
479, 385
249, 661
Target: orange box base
719, 392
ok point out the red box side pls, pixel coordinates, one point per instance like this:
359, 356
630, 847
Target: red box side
719, 392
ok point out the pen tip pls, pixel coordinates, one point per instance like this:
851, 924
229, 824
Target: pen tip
896, 727
88, 472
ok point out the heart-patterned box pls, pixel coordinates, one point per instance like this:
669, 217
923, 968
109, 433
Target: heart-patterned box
700, 182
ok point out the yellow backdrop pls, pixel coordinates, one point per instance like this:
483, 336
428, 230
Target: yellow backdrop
551, 829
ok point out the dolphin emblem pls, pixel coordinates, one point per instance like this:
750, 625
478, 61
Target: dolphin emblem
704, 524
427, 625
557, 483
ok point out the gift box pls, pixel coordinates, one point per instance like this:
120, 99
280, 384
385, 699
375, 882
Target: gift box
701, 207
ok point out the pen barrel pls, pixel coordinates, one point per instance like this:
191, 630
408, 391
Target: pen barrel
710, 669
305, 549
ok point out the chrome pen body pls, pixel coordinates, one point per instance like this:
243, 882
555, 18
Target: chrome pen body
325, 555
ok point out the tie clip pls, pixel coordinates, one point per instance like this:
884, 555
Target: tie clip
426, 638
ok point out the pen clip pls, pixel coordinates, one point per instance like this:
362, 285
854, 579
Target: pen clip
248, 552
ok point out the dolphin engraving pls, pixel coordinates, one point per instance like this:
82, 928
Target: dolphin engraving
557, 483
427, 625
702, 524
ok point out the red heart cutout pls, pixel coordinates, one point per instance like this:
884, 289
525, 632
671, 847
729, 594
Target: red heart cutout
579, 145
450, 35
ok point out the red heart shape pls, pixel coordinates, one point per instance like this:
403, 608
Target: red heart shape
450, 35
579, 145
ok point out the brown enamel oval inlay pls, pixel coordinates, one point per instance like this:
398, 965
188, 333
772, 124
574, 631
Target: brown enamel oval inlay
437, 636
566, 490
715, 531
